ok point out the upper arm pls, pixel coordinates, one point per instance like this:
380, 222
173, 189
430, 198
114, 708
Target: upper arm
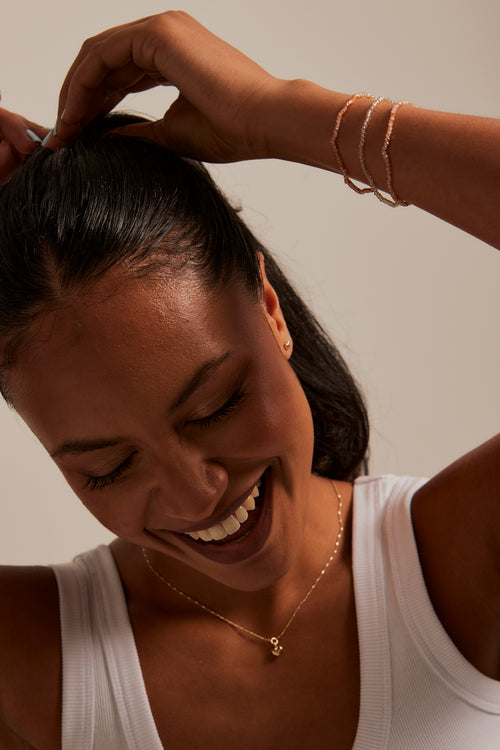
30, 655
479, 474
456, 518
9, 740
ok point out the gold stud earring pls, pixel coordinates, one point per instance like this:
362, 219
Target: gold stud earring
287, 345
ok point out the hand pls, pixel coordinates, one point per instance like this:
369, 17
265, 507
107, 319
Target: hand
15, 143
222, 94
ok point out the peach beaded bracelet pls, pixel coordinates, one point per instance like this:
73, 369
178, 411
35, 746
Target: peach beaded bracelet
361, 150
385, 155
333, 143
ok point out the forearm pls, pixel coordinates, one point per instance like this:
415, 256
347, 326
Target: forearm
230, 109
447, 164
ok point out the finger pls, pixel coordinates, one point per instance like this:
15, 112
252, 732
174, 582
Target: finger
63, 134
14, 130
39, 130
105, 100
183, 130
88, 48
126, 78
95, 72
151, 131
9, 161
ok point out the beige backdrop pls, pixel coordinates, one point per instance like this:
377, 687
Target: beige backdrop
413, 303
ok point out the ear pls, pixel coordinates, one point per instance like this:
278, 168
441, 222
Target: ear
272, 311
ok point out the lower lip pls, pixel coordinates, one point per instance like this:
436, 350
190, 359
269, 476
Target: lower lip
248, 545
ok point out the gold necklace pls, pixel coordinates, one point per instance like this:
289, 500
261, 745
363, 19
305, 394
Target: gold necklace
277, 648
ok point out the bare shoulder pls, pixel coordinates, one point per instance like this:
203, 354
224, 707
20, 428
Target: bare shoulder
30, 654
465, 498
456, 517
9, 740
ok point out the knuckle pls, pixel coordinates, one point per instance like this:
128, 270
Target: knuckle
168, 22
87, 45
176, 15
91, 43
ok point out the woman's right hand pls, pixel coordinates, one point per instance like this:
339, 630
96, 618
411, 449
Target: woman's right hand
15, 142
220, 112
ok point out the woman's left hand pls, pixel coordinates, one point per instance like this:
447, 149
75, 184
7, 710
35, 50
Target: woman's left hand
222, 108
15, 142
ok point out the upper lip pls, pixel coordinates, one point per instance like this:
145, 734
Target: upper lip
222, 516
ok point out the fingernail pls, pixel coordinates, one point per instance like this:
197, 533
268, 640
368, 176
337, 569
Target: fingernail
34, 137
53, 133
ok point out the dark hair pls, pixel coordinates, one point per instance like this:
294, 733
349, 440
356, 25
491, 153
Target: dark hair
109, 201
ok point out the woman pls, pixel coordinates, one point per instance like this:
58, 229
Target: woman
158, 354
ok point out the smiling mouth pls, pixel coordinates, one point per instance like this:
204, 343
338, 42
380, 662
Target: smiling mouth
236, 526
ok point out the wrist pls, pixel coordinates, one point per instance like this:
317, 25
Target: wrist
295, 123
297, 120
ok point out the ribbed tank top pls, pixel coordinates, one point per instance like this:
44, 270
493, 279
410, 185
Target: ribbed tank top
417, 690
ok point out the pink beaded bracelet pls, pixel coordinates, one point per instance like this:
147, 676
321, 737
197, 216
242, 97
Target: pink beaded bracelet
385, 155
333, 143
361, 150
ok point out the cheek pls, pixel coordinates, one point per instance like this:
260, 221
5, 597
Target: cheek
275, 420
286, 408
121, 512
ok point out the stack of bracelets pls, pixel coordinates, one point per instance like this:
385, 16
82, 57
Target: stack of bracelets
394, 201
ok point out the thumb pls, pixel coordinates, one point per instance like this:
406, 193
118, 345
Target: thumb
183, 129
151, 131
160, 133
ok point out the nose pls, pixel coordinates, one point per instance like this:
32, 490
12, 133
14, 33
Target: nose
187, 488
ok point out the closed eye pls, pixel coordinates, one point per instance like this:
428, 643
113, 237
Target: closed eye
97, 483
224, 411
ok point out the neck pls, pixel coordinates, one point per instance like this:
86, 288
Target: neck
267, 610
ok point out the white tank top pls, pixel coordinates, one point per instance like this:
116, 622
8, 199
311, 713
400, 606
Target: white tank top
417, 691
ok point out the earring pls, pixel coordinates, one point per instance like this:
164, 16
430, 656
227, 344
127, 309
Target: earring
287, 344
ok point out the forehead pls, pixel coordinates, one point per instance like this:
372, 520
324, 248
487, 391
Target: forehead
116, 347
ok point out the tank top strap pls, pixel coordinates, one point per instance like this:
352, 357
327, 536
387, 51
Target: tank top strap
369, 501
105, 705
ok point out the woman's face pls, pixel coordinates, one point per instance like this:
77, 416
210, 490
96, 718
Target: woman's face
164, 406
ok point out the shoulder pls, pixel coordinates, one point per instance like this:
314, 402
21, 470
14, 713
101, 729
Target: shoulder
30, 652
29, 604
456, 518
464, 498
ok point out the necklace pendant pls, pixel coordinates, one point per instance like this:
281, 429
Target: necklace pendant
277, 649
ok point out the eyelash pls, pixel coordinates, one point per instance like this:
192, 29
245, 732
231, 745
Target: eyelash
97, 483
224, 411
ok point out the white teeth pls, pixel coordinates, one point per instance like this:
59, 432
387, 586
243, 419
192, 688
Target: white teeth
249, 503
217, 532
241, 514
231, 524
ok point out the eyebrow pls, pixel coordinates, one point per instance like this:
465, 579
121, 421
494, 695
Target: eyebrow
202, 374
76, 447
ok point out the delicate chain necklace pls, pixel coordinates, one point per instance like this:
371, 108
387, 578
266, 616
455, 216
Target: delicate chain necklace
277, 648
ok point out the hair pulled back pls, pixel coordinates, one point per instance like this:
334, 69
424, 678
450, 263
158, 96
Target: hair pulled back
67, 218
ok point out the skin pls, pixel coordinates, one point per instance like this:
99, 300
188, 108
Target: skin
183, 474
137, 343
446, 164
15, 143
